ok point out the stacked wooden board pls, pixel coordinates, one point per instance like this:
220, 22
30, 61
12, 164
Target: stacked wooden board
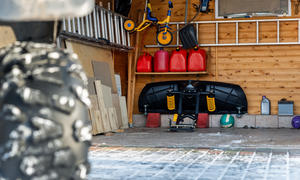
108, 112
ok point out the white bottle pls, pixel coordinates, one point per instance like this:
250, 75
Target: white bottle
265, 106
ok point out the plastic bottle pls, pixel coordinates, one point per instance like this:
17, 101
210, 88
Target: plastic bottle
178, 61
161, 61
265, 106
197, 60
144, 63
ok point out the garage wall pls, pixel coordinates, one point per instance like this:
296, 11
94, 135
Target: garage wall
121, 67
117, 61
260, 70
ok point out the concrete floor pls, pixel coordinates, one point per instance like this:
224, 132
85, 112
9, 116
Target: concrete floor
204, 138
124, 163
206, 154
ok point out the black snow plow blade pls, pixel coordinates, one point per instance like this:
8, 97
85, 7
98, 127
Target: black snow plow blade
229, 98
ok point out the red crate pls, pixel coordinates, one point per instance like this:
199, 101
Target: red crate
153, 120
203, 120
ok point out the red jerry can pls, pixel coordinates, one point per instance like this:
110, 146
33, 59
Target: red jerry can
178, 60
144, 63
203, 120
197, 60
161, 61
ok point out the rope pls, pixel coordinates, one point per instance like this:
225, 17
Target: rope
187, 23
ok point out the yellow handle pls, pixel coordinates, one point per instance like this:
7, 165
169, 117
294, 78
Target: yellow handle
211, 104
171, 102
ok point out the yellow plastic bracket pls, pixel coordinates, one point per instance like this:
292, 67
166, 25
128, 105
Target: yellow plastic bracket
171, 102
175, 118
211, 104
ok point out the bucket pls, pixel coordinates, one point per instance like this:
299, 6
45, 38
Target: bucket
265, 106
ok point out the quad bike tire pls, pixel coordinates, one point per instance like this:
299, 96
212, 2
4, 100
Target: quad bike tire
45, 132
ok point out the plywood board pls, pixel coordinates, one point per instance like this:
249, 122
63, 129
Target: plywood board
99, 123
7, 36
124, 113
93, 115
118, 84
116, 104
107, 96
91, 86
102, 109
96, 116
93, 121
103, 72
113, 118
88, 53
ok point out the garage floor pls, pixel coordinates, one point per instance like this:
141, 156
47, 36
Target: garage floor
204, 138
203, 154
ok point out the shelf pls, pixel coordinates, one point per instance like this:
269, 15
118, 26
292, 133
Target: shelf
172, 73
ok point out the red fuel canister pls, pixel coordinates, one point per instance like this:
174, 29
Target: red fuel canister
144, 63
161, 61
197, 60
178, 60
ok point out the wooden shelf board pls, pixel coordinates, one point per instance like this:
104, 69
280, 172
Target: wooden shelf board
172, 73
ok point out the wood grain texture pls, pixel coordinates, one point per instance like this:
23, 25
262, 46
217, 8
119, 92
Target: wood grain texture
97, 124
124, 114
116, 104
260, 70
87, 54
103, 111
121, 67
7, 36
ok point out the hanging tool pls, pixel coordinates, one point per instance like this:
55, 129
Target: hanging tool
187, 33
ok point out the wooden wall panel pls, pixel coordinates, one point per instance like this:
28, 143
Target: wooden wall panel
121, 67
260, 70
265, 70
117, 61
7, 36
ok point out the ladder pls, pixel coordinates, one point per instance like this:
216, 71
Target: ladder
100, 24
237, 40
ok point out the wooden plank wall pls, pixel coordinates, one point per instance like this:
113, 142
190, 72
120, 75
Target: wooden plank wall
7, 36
121, 67
260, 70
117, 61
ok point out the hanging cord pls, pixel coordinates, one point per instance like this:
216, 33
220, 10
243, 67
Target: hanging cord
186, 10
198, 9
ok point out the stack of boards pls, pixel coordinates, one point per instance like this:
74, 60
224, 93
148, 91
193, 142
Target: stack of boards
108, 112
